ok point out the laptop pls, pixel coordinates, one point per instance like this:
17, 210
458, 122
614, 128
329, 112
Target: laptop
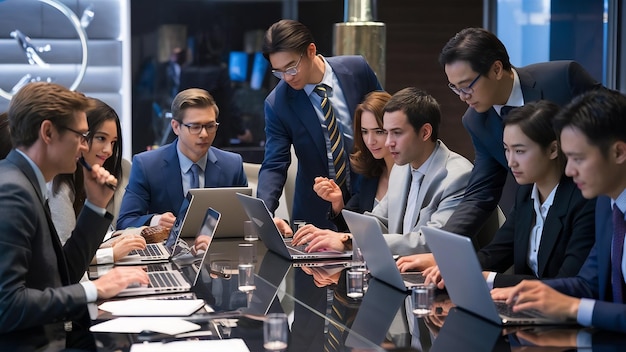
368, 237
222, 199
459, 266
186, 263
268, 232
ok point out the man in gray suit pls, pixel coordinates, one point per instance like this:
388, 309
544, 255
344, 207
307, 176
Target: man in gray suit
440, 176
43, 306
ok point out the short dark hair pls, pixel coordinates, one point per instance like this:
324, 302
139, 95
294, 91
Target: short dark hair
5, 135
599, 114
286, 35
361, 160
40, 101
420, 108
192, 98
479, 47
535, 121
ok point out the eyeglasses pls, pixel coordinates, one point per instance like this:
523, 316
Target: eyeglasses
292, 71
83, 136
196, 128
467, 90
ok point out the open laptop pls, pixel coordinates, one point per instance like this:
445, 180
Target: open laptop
268, 232
369, 238
459, 266
186, 263
222, 199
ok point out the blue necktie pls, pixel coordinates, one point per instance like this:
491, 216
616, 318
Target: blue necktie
617, 249
334, 132
195, 176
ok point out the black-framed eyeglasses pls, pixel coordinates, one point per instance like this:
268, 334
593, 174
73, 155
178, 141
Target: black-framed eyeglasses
292, 71
196, 128
467, 90
84, 136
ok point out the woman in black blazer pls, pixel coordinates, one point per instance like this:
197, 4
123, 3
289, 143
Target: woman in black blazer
550, 230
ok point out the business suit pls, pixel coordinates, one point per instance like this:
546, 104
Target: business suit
440, 192
594, 278
565, 242
156, 186
557, 81
360, 202
290, 119
39, 287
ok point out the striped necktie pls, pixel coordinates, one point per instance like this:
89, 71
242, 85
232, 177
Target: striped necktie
334, 133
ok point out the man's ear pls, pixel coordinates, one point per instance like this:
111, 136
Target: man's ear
46, 130
426, 131
175, 126
619, 151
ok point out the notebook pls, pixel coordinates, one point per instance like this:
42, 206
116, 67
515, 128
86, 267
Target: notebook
369, 238
186, 263
268, 232
459, 266
222, 199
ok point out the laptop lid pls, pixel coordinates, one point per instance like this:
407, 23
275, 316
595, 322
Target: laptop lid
367, 235
268, 232
224, 200
272, 272
459, 266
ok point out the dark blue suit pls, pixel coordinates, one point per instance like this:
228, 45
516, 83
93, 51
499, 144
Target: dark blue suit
290, 119
557, 81
156, 186
594, 279
565, 243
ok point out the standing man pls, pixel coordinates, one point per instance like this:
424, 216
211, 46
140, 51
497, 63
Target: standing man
478, 69
160, 179
311, 109
42, 303
593, 137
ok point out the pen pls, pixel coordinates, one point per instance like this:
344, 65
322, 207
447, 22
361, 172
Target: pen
86, 165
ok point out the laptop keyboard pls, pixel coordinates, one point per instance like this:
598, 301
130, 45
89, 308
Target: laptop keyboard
413, 278
151, 250
162, 279
507, 310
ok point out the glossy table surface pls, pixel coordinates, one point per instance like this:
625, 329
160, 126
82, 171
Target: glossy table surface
323, 318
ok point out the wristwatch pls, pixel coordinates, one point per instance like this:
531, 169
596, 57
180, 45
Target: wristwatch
39, 68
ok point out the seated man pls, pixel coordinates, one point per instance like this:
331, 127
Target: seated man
160, 179
425, 185
592, 132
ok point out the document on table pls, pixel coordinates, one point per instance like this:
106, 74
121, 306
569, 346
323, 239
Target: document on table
153, 307
135, 325
228, 345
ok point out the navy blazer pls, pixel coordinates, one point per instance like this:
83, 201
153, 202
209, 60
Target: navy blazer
565, 243
39, 287
557, 81
594, 278
360, 202
290, 119
155, 185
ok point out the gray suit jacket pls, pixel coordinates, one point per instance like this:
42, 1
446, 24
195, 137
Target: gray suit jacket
440, 192
39, 287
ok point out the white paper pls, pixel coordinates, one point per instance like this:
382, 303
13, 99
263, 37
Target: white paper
153, 307
134, 325
229, 345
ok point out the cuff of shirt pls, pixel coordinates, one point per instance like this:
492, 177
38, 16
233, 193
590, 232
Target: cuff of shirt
585, 311
90, 291
490, 279
95, 208
583, 339
105, 256
155, 220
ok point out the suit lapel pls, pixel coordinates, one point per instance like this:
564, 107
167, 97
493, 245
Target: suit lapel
530, 91
212, 171
302, 109
437, 165
397, 197
171, 174
523, 224
554, 224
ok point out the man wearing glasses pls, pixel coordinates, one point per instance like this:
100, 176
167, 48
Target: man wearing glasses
159, 179
479, 72
311, 108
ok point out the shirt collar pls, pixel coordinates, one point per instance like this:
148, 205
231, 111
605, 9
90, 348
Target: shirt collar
327, 80
620, 201
516, 98
549, 200
40, 179
185, 162
423, 169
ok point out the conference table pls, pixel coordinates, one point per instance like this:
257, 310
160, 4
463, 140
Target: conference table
322, 317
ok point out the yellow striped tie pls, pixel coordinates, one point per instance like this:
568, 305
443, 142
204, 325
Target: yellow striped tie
334, 132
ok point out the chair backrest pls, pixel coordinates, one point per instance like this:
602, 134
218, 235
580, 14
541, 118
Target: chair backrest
485, 235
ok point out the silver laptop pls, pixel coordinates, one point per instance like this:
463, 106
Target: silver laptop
186, 263
459, 266
268, 232
368, 237
222, 199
